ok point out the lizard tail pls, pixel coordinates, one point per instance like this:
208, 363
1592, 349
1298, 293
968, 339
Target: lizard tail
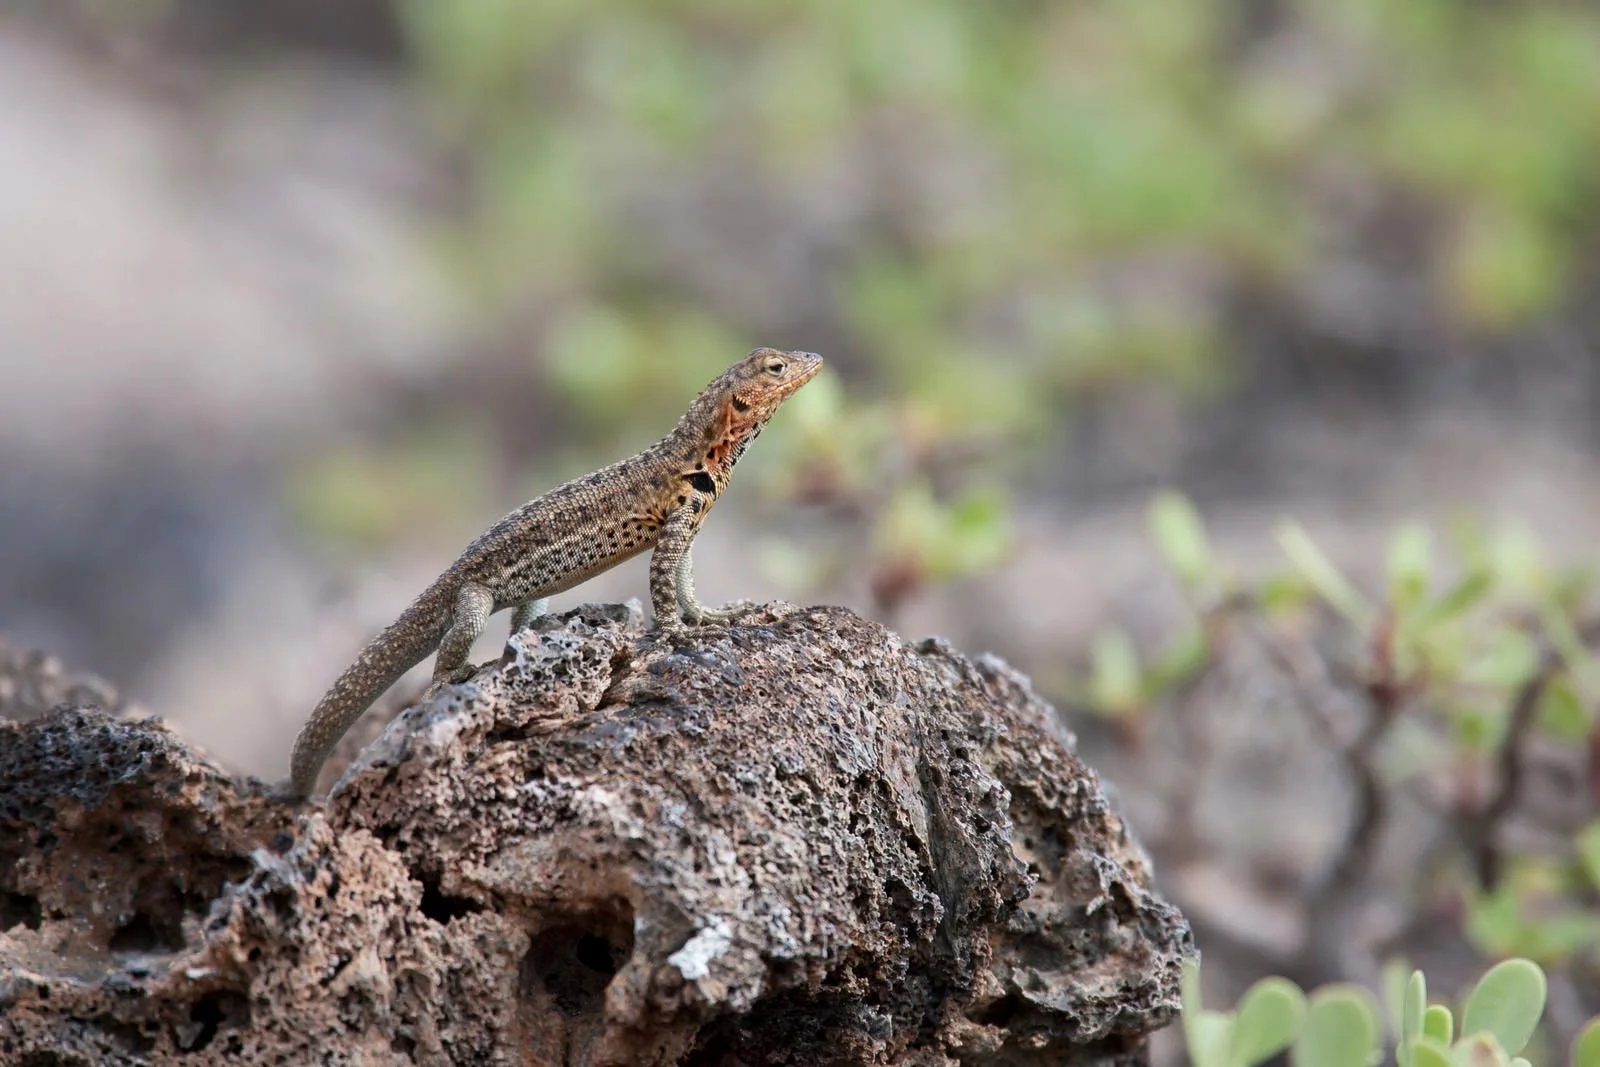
402, 645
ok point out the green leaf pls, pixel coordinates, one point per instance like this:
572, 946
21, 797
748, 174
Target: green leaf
1189, 987
1392, 980
1518, 559
1586, 1046
1558, 936
1341, 1029
1114, 684
978, 535
1268, 1018
1494, 921
1181, 536
1587, 842
1205, 1033
1428, 1052
1510, 659
1439, 1024
1505, 269
1208, 1036
1411, 1012
1460, 598
1410, 565
1507, 1003
1177, 663
1562, 711
1283, 593
1320, 572
1478, 730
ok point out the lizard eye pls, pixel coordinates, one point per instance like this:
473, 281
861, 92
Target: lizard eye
775, 367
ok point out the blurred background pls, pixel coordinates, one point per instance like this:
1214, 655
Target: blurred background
1230, 367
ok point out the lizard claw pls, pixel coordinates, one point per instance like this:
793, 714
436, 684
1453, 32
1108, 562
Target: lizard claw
726, 613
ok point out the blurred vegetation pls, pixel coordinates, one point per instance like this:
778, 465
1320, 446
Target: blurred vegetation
1338, 1025
992, 212
993, 217
1467, 687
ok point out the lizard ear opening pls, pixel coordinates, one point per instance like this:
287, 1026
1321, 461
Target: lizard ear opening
739, 405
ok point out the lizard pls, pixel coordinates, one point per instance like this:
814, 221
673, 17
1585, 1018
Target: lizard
655, 501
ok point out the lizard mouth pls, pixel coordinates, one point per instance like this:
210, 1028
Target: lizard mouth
807, 366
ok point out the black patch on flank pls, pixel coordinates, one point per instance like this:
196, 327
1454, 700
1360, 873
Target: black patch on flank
738, 405
702, 482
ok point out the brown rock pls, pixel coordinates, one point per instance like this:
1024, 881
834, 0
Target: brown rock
799, 840
32, 683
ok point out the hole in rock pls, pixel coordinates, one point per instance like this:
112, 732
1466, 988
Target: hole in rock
569, 965
441, 907
147, 933
216, 1011
1001, 1012
774, 1026
128, 1037
19, 909
44, 1059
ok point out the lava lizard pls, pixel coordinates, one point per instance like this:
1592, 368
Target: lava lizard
655, 500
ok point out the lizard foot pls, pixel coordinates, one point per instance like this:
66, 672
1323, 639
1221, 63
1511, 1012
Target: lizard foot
461, 674
673, 630
726, 613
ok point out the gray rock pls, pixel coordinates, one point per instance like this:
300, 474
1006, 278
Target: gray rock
797, 840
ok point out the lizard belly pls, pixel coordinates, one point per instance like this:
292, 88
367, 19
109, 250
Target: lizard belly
559, 568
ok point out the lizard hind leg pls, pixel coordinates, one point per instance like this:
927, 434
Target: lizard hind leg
522, 615
474, 604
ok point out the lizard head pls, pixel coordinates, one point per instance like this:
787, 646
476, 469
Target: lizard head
732, 410
755, 387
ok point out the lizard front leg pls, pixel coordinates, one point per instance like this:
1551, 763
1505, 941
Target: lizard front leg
474, 604
666, 563
694, 612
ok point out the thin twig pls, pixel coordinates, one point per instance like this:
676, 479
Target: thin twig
1479, 830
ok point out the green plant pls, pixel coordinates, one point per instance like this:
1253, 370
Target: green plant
1268, 1017
1338, 1025
1471, 649
1053, 203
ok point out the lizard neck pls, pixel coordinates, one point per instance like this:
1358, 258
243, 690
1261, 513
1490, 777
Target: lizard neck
710, 439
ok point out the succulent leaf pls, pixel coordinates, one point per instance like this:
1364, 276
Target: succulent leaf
1411, 1013
1506, 1002
1181, 536
1439, 1024
1426, 1052
1269, 1016
1586, 1046
1341, 1029
1209, 1034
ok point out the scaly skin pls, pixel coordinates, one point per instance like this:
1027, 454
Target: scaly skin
655, 500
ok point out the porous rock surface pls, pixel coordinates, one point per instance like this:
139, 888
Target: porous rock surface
32, 683
796, 840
